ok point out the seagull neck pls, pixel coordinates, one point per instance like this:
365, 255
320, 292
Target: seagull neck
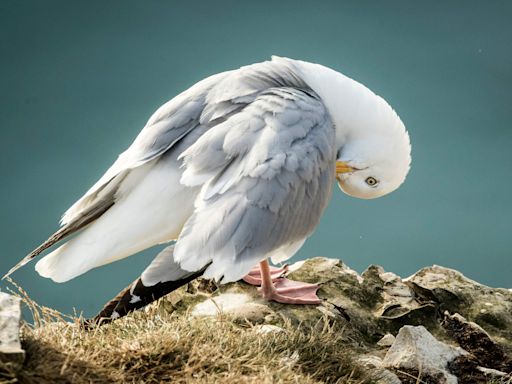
355, 110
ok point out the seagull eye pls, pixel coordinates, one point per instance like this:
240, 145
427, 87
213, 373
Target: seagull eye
371, 181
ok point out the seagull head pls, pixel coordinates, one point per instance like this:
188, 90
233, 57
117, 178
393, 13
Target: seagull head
374, 163
373, 147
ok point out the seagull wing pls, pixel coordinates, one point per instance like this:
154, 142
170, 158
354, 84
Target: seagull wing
266, 174
169, 124
129, 190
166, 127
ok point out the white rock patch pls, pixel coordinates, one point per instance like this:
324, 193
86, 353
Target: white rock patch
416, 349
10, 317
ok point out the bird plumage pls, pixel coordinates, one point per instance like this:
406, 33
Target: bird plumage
275, 168
236, 169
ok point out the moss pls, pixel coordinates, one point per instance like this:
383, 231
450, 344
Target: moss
372, 287
488, 317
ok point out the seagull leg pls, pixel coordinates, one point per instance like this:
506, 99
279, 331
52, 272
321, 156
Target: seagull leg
286, 291
254, 276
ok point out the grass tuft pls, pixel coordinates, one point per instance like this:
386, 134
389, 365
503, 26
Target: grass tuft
153, 347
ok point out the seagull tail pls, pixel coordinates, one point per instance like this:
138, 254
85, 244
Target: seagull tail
134, 297
74, 226
161, 277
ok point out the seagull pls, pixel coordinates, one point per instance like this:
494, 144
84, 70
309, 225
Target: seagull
234, 171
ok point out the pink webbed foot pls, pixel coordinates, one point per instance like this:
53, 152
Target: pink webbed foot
254, 276
291, 292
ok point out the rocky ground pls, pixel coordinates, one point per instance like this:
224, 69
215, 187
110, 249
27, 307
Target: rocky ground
436, 326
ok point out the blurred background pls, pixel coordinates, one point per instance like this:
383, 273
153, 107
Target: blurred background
78, 81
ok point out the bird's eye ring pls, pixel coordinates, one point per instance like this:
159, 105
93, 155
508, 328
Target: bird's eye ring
371, 181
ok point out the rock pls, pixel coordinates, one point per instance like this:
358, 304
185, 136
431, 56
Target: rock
387, 340
10, 317
321, 270
267, 328
385, 376
374, 366
239, 306
476, 340
398, 304
373, 306
417, 352
370, 361
491, 308
342, 293
468, 371
492, 373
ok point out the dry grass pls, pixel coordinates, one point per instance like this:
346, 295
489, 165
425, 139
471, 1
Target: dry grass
156, 348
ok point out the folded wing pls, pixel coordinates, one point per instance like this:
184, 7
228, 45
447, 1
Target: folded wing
168, 125
266, 174
260, 149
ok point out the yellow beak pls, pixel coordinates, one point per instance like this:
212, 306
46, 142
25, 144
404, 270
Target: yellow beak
342, 167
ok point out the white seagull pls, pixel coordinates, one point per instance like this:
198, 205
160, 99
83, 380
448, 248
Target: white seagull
235, 170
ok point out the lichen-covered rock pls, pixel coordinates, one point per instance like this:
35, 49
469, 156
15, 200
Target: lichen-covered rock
372, 308
10, 317
417, 352
398, 304
450, 290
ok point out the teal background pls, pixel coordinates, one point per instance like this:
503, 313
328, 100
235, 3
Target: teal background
79, 79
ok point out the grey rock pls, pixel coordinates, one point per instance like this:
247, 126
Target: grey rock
385, 376
369, 361
373, 306
239, 306
397, 303
10, 317
374, 366
491, 308
492, 373
387, 340
267, 328
415, 350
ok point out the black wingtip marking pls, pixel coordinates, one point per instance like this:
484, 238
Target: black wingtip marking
134, 297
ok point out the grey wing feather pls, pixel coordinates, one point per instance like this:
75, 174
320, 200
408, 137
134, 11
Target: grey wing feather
166, 127
268, 173
169, 124
163, 268
205, 105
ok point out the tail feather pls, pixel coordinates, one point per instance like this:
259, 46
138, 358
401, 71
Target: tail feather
134, 297
161, 277
80, 222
